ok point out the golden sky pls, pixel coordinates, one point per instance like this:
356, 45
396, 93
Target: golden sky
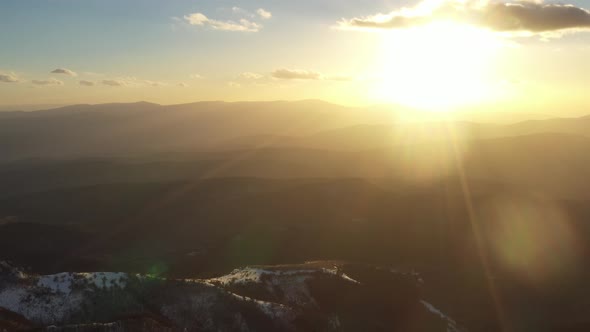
436, 54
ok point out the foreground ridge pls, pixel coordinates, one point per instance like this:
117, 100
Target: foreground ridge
325, 296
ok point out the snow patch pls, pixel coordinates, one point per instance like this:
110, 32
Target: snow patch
64, 282
347, 278
53, 298
271, 309
254, 275
451, 324
35, 305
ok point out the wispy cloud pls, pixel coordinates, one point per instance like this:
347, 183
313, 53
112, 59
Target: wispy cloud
251, 76
86, 83
241, 11
296, 74
301, 74
51, 81
131, 82
524, 16
64, 71
196, 76
9, 78
260, 12
154, 83
242, 25
114, 82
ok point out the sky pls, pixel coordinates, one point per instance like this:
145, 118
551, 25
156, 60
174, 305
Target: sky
434, 54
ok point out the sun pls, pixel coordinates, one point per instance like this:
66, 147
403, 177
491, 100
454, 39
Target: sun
438, 67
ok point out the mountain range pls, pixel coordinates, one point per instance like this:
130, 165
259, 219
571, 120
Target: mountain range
490, 214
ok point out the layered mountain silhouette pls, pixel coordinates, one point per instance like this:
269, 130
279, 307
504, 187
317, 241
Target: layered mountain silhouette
144, 128
493, 217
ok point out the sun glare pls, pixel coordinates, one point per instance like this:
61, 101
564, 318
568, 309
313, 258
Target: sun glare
437, 67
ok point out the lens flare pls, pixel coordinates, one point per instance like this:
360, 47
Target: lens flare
531, 237
428, 151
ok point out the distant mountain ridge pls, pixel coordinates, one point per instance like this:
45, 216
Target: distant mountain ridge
143, 128
136, 129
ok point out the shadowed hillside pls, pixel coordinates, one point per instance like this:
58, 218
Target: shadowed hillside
485, 214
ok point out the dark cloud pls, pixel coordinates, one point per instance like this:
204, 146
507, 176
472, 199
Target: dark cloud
519, 16
64, 71
86, 83
113, 83
535, 17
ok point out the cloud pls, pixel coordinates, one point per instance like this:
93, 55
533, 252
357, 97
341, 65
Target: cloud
183, 85
152, 83
131, 82
9, 78
531, 16
113, 82
260, 12
243, 25
300, 74
196, 19
251, 76
51, 81
234, 85
196, 77
86, 83
296, 74
64, 71
264, 14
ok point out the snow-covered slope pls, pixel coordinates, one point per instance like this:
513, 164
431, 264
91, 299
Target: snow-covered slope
263, 298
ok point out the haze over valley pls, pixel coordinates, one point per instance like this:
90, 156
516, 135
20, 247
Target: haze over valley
299, 166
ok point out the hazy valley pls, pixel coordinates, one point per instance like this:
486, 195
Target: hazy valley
183, 192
